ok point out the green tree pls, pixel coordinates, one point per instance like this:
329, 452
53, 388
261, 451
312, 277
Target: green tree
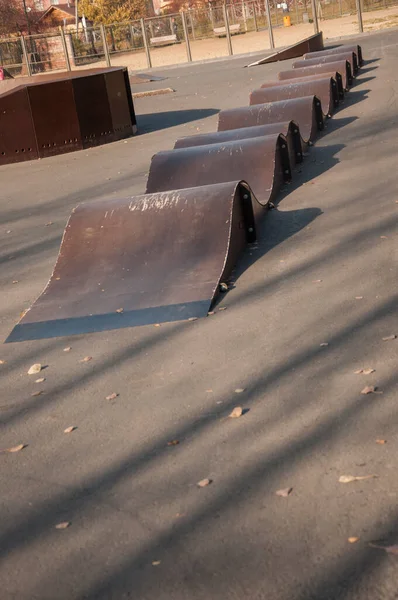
113, 11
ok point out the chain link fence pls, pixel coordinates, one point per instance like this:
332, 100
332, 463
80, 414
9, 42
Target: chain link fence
195, 34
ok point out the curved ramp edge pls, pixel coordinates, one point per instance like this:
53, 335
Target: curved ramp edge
310, 44
344, 48
320, 60
262, 161
147, 259
289, 129
343, 67
306, 111
325, 89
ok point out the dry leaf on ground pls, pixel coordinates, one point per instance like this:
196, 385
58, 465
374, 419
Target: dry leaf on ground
173, 443
358, 297
223, 287
70, 429
350, 478
68, 349
317, 281
389, 337
34, 369
237, 412
14, 448
239, 390
353, 539
381, 442
223, 308
86, 359
285, 492
156, 563
390, 549
63, 525
369, 389
365, 371
193, 319
119, 310
111, 396
324, 344
39, 393
40, 380
204, 482
210, 313
2, 362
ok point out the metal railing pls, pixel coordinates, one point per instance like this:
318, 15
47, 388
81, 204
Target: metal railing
194, 34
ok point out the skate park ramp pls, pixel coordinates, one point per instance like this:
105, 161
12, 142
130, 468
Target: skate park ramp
306, 111
308, 45
141, 260
264, 161
343, 67
338, 50
307, 62
325, 89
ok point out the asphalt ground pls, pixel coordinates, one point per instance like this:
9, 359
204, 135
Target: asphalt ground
324, 272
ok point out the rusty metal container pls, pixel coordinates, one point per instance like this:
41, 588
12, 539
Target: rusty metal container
345, 48
306, 111
262, 161
343, 67
289, 129
319, 60
325, 89
310, 44
146, 259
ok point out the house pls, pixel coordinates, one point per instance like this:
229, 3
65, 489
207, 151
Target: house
59, 14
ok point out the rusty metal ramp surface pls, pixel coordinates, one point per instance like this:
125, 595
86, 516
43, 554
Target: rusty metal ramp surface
319, 60
325, 89
310, 44
343, 67
289, 129
333, 75
346, 48
262, 161
147, 259
306, 111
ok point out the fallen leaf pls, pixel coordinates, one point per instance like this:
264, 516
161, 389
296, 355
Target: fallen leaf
383, 237
193, 319
324, 344
112, 396
70, 429
285, 492
15, 448
239, 390
358, 297
369, 389
49, 223
223, 308
381, 442
223, 287
351, 478
237, 412
2, 362
209, 391
63, 525
365, 371
389, 337
157, 325
40, 380
39, 393
204, 482
173, 443
317, 281
156, 563
15, 281
210, 313
352, 540
86, 359
34, 369
390, 549
119, 310
68, 349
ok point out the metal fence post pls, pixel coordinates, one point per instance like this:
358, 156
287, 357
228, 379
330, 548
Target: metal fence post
269, 21
105, 46
26, 57
340, 8
65, 49
148, 54
297, 12
255, 17
227, 30
314, 16
359, 13
185, 28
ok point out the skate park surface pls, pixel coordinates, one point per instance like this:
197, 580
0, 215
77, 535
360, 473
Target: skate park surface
311, 304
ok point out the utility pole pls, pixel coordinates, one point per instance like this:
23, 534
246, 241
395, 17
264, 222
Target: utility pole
26, 11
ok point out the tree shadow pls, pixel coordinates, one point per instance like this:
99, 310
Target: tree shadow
147, 123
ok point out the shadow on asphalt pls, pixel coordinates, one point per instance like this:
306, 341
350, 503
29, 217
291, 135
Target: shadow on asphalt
163, 120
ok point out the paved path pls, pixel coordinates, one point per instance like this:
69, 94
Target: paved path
140, 527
